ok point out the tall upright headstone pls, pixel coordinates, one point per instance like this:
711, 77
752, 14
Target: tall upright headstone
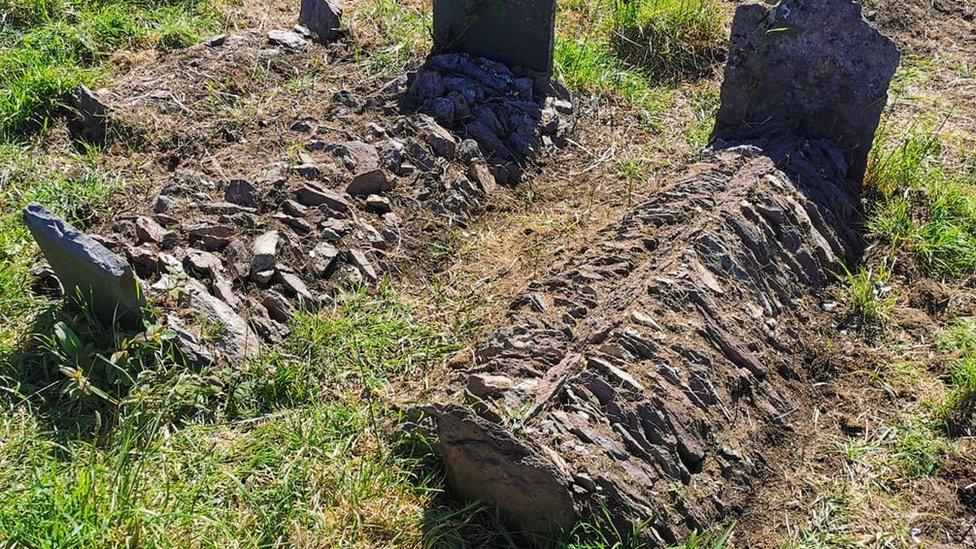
513, 32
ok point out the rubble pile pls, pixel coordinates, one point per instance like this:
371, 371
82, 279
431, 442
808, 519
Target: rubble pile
364, 187
513, 114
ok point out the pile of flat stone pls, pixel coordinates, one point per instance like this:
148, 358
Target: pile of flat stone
512, 113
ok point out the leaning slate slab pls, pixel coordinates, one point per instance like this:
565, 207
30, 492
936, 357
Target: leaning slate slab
513, 32
103, 280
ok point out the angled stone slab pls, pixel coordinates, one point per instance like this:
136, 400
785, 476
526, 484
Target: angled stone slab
103, 280
513, 32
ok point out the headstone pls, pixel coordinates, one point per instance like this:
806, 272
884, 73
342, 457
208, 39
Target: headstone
513, 32
321, 18
806, 69
87, 269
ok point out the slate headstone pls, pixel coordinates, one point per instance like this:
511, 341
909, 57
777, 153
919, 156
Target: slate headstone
513, 32
813, 70
103, 280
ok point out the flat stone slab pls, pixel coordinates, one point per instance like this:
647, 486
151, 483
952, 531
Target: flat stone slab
513, 32
87, 269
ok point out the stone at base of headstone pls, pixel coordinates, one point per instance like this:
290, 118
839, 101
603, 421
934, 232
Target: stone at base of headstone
322, 18
443, 142
514, 32
87, 270
237, 342
89, 116
286, 38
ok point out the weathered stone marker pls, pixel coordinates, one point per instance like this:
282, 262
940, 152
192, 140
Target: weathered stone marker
322, 18
806, 69
103, 280
513, 32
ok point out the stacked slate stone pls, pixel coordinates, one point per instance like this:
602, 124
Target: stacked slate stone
654, 375
512, 113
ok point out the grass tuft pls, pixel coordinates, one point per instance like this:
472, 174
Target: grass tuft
668, 38
870, 297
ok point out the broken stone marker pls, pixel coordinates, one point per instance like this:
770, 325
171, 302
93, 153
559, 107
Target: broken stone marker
89, 116
513, 32
321, 18
104, 281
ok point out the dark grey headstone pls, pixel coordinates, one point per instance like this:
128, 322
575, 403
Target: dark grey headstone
104, 281
513, 32
321, 18
806, 69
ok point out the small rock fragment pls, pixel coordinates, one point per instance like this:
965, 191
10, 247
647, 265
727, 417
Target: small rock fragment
89, 120
295, 287
242, 193
440, 140
147, 230
202, 263
237, 342
264, 253
315, 196
378, 203
278, 307
358, 259
367, 183
324, 259
285, 38
481, 174
486, 385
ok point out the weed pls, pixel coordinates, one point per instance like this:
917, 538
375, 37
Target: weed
918, 452
871, 300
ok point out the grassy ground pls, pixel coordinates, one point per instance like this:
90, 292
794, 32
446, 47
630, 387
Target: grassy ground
877, 483
301, 447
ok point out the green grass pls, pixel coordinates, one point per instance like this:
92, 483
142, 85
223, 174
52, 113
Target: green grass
299, 447
47, 47
922, 209
959, 410
667, 38
869, 295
